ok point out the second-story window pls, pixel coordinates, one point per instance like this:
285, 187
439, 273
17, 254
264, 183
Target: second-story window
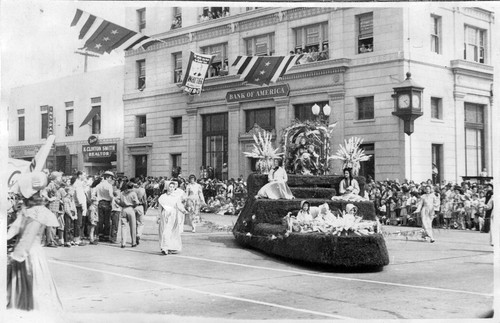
177, 126
177, 67
436, 108
141, 126
21, 124
69, 119
311, 40
365, 33
141, 19
260, 45
219, 63
474, 45
366, 108
96, 119
436, 34
141, 74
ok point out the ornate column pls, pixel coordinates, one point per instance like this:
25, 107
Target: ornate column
459, 113
194, 141
233, 132
284, 115
336, 100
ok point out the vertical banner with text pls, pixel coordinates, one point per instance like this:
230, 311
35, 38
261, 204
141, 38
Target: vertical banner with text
50, 123
196, 72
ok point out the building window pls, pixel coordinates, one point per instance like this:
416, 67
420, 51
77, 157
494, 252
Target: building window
141, 165
367, 168
141, 126
215, 142
177, 67
21, 128
365, 33
260, 45
437, 167
96, 122
303, 112
69, 122
475, 44
265, 118
141, 19
435, 34
210, 13
141, 74
436, 108
474, 138
176, 161
177, 126
177, 19
219, 63
311, 39
365, 108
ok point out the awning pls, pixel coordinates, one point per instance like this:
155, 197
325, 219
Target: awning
92, 113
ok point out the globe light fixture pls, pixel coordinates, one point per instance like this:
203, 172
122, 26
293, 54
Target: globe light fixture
315, 109
327, 110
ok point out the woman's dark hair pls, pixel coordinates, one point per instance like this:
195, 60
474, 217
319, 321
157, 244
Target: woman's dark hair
192, 176
73, 179
488, 196
96, 182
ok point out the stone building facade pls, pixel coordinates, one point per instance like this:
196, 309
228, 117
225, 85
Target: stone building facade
447, 49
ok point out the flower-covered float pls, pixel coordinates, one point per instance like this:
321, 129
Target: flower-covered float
342, 231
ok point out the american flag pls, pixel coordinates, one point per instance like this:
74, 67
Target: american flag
101, 36
263, 69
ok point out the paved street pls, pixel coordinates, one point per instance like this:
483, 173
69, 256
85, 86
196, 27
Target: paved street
215, 278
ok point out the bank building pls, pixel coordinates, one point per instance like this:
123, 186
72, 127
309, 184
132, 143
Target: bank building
435, 123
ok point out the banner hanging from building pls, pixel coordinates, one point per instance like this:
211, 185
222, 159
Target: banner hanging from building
196, 72
261, 70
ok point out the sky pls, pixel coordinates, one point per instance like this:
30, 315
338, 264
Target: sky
38, 44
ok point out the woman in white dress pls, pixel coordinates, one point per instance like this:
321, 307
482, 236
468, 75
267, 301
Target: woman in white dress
171, 219
426, 206
276, 188
29, 283
195, 200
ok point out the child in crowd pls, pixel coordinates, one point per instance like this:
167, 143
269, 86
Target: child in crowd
93, 215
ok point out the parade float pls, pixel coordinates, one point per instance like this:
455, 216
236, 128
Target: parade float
348, 240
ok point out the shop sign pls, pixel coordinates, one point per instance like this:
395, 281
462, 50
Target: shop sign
258, 93
93, 140
99, 153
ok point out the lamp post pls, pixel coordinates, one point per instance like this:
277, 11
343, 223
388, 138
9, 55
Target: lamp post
323, 118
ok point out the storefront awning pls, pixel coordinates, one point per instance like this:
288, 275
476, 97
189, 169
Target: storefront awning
92, 113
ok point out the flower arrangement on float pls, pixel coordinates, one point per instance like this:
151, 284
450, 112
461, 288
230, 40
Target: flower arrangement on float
264, 151
351, 155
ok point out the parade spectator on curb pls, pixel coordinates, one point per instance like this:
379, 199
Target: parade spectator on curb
195, 200
55, 192
69, 215
29, 282
141, 208
81, 206
116, 214
488, 208
128, 202
104, 193
426, 206
170, 219
277, 187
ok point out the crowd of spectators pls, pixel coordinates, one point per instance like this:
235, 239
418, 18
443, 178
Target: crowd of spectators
311, 54
216, 14
462, 206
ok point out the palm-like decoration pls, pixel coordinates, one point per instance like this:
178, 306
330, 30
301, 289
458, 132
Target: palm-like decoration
351, 155
263, 150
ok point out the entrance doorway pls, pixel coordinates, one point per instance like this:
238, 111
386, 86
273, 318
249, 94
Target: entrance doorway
215, 145
141, 165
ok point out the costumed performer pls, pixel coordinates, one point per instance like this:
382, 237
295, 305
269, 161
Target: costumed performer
426, 208
170, 219
29, 283
195, 200
276, 188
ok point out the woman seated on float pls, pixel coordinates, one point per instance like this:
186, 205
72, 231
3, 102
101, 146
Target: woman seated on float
349, 185
276, 188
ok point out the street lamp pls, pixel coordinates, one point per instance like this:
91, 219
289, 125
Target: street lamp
326, 112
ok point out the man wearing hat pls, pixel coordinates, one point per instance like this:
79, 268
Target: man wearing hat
104, 194
53, 194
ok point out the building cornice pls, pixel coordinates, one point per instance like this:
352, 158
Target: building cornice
472, 69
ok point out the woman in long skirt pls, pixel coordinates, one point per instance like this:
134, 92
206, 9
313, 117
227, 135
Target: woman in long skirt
170, 220
195, 200
277, 187
426, 208
128, 201
29, 283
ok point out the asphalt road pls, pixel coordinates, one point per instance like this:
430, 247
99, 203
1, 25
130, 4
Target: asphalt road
214, 278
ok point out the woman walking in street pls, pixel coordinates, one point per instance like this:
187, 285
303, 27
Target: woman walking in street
170, 219
195, 200
426, 206
128, 201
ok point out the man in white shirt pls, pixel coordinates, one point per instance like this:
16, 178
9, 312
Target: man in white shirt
104, 194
